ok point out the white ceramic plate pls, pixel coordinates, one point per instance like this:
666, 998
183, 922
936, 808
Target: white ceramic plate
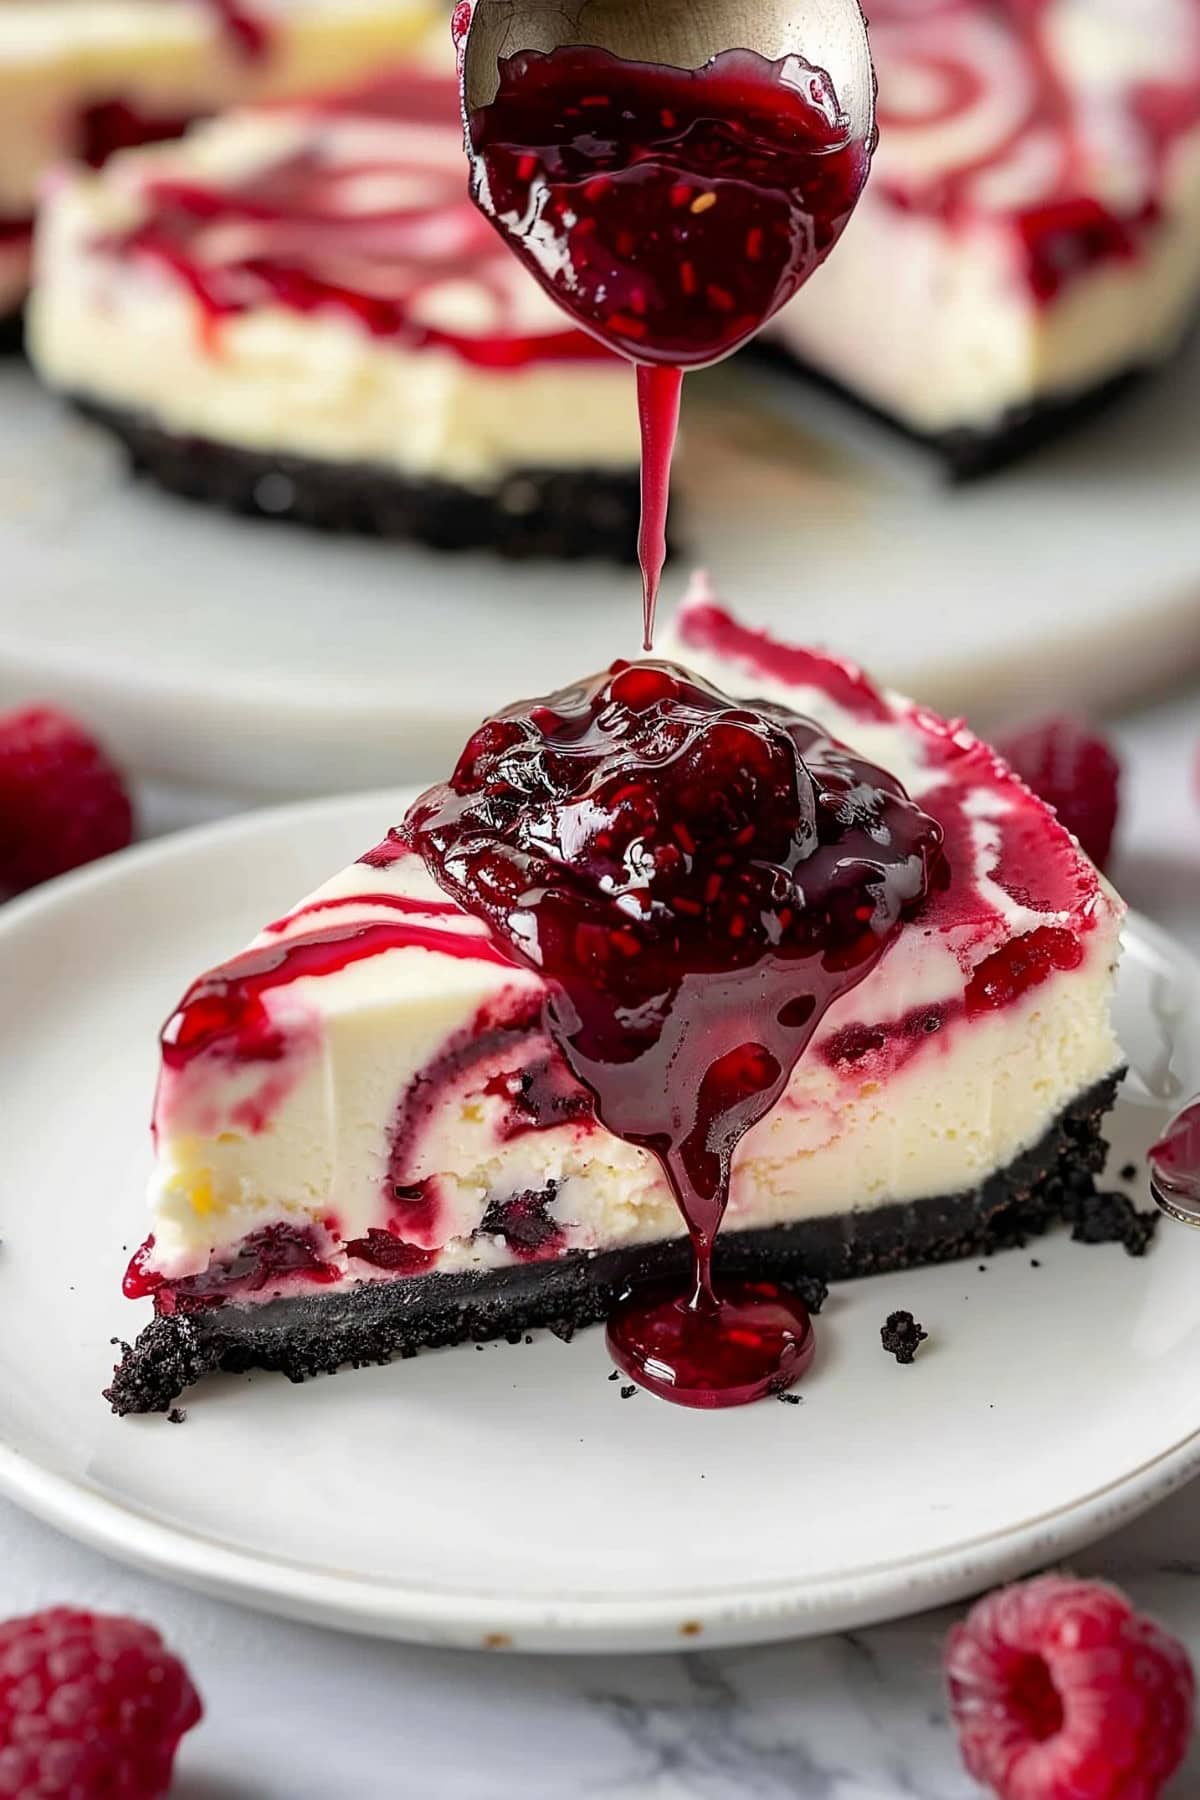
255, 658
510, 1494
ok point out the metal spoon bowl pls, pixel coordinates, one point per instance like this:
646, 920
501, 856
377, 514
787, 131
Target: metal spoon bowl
685, 34
1175, 1168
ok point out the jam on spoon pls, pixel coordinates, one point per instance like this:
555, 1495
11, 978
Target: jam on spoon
1175, 1167
698, 880
670, 211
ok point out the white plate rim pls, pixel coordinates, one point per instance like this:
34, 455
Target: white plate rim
688, 1618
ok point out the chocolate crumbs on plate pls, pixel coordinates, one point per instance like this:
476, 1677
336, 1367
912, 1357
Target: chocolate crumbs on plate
901, 1336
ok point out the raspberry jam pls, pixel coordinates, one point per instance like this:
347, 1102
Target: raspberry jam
670, 211
698, 880
1175, 1166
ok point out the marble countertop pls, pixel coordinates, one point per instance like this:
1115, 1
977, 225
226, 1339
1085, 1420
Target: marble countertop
295, 1713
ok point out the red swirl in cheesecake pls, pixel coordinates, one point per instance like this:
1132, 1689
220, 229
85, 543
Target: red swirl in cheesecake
998, 108
367, 216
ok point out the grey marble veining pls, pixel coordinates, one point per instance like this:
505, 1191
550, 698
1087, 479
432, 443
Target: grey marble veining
295, 1713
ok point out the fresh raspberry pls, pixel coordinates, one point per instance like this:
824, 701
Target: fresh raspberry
1073, 769
91, 1708
61, 800
1060, 1691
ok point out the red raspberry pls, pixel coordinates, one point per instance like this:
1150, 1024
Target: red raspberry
61, 800
1060, 1691
91, 1708
1072, 768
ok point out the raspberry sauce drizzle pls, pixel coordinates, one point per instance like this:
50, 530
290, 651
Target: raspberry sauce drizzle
697, 881
658, 391
225, 1010
671, 212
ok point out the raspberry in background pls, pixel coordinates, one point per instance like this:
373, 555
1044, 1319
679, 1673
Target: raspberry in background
1060, 1690
91, 1708
1073, 769
62, 801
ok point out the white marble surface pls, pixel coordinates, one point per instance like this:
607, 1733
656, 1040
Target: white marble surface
299, 1714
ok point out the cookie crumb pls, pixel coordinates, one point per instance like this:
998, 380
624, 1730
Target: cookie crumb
528, 1339
983, 1268
812, 1290
1129, 1172
615, 1376
176, 1416
1111, 1218
1034, 1263
791, 1399
627, 1393
901, 1336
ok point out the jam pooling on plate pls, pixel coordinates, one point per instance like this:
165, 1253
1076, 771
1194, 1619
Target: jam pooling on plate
670, 211
698, 880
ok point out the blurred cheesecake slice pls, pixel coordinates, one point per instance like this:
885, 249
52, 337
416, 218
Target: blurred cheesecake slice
1030, 234
82, 78
296, 311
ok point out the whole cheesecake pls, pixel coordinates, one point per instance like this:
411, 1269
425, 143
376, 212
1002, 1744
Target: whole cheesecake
296, 311
367, 1142
1030, 235
82, 78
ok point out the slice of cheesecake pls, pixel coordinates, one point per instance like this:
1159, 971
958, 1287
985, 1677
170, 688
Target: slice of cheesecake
296, 311
1030, 235
367, 1143
82, 78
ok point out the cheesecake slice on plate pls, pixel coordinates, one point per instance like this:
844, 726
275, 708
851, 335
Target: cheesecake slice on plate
296, 311
1030, 235
368, 1144
82, 78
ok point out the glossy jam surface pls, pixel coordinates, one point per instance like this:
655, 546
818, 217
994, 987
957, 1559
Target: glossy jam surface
364, 214
697, 880
658, 393
670, 211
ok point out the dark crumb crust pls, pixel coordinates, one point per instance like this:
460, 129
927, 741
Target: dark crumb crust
567, 514
967, 454
305, 1336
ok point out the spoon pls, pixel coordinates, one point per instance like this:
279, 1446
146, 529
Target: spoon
1175, 1168
685, 34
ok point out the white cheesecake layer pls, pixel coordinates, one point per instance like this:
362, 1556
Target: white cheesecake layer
126, 331
384, 1084
170, 59
928, 311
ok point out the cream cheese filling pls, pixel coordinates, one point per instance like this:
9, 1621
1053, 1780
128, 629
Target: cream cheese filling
937, 326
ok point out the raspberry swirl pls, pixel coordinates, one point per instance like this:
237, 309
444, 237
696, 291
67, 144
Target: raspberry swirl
360, 207
1030, 111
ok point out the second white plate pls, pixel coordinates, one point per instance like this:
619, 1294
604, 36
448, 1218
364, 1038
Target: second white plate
510, 1495
260, 659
